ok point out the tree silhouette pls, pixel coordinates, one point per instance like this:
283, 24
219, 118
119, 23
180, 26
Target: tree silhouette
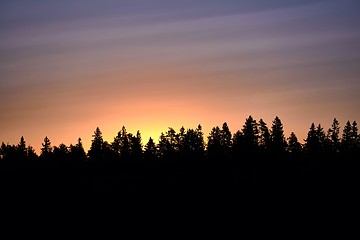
214, 147
168, 145
312, 143
294, 147
46, 150
264, 138
182, 162
225, 140
61, 155
21, 147
350, 138
95, 153
251, 135
191, 144
116, 145
332, 141
136, 147
77, 154
150, 150
125, 144
237, 145
278, 142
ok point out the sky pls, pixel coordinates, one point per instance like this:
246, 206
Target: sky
67, 67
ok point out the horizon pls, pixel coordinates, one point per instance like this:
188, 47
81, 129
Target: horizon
71, 66
106, 138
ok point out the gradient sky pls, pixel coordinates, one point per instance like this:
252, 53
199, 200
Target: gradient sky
69, 66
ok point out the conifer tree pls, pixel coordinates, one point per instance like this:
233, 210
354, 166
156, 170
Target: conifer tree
46, 149
278, 142
294, 147
96, 149
214, 147
264, 138
250, 136
150, 152
332, 142
136, 147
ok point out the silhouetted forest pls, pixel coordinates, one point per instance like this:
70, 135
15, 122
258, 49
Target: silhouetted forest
181, 162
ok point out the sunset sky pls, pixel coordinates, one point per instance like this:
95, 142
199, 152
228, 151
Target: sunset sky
67, 67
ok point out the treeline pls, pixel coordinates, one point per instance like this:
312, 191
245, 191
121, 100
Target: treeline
184, 164
255, 141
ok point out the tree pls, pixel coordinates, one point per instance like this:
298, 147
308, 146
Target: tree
21, 153
237, 145
332, 140
31, 154
214, 147
46, 149
116, 145
168, 144
350, 137
264, 138
95, 152
61, 154
278, 142
21, 147
347, 137
315, 140
136, 147
225, 140
125, 144
199, 143
294, 147
191, 144
250, 136
77, 154
150, 152
321, 137
354, 135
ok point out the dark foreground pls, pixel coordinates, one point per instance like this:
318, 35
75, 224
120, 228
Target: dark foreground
203, 179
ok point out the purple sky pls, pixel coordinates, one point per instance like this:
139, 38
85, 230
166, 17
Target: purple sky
67, 67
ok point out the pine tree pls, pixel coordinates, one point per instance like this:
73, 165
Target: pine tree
332, 139
125, 144
226, 140
116, 145
214, 147
77, 154
250, 135
278, 142
199, 144
347, 137
96, 150
150, 152
61, 154
294, 147
311, 140
168, 145
321, 136
46, 149
21, 147
354, 135
350, 138
237, 145
264, 138
136, 147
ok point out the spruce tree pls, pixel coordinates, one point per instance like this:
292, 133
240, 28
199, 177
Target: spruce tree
294, 147
278, 142
264, 138
150, 152
96, 149
46, 149
250, 136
